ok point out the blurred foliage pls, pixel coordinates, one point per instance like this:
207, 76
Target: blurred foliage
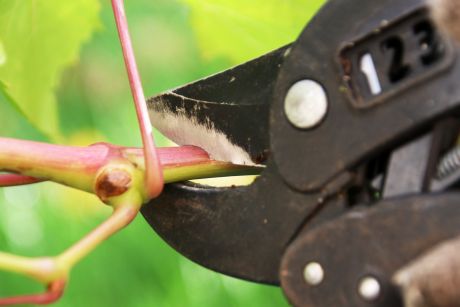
39, 39
243, 30
135, 268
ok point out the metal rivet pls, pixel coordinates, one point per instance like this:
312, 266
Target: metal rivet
305, 104
313, 273
369, 288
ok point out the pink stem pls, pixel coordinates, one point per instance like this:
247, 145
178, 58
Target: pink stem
153, 177
54, 162
22, 155
42, 161
53, 293
9, 180
173, 156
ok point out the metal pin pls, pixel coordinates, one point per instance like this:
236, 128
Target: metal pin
305, 104
369, 288
313, 273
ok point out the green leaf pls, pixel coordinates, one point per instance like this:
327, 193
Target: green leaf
38, 40
241, 29
2, 54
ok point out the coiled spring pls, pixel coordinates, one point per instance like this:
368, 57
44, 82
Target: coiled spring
449, 163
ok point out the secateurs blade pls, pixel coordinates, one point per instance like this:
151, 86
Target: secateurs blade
226, 114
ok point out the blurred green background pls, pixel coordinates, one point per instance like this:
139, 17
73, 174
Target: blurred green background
176, 42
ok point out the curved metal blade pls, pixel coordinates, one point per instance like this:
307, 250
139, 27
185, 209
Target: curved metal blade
239, 231
225, 114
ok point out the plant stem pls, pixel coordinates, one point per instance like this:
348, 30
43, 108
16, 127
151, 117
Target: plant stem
78, 166
153, 174
208, 169
120, 218
54, 271
53, 293
9, 180
72, 166
38, 268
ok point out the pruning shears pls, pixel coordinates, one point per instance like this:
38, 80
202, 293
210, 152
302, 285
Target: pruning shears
356, 123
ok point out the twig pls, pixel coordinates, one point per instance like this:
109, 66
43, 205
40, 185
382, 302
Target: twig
153, 173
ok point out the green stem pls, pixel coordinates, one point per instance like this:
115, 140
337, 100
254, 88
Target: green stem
78, 166
120, 218
208, 169
39, 268
72, 166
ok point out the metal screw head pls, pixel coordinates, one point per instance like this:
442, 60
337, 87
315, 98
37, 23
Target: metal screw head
369, 288
305, 104
313, 273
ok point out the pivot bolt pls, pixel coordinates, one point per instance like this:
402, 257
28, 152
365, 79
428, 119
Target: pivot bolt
305, 104
313, 273
369, 288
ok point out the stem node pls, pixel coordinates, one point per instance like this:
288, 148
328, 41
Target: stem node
111, 183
